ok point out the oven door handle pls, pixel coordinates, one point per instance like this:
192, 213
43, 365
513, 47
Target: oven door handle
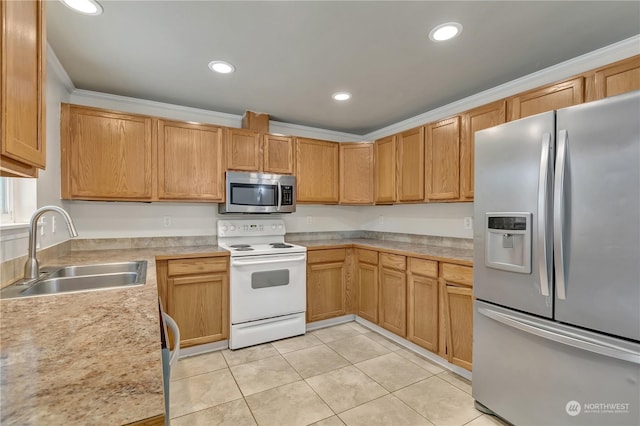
264, 262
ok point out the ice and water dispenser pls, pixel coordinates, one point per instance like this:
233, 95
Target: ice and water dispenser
508, 241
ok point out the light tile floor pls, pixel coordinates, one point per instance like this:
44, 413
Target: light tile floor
340, 375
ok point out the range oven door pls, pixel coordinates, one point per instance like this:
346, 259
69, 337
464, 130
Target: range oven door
267, 286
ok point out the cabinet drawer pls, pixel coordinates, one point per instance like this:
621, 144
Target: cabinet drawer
428, 268
457, 273
197, 266
393, 261
331, 255
367, 256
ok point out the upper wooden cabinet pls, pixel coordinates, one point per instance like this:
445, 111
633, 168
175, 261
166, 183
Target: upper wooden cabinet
317, 164
442, 161
243, 150
614, 79
410, 165
278, 154
105, 155
356, 173
385, 170
190, 161
477, 119
547, 98
22, 104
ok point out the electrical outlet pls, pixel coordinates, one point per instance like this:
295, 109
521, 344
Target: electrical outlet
468, 222
309, 220
166, 221
53, 224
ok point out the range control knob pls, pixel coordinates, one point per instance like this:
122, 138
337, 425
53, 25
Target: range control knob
273, 227
279, 226
224, 228
233, 228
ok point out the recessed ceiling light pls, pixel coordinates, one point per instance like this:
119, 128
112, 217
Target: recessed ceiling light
87, 7
445, 31
341, 96
222, 67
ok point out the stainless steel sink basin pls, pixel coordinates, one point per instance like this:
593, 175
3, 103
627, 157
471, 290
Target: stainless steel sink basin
76, 278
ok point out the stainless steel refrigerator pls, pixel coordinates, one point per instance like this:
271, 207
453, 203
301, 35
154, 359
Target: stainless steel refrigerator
556, 336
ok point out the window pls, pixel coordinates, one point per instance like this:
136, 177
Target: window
6, 200
18, 201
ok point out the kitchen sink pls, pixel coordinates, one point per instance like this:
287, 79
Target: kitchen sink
77, 278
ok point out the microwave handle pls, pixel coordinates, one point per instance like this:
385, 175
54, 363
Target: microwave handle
279, 197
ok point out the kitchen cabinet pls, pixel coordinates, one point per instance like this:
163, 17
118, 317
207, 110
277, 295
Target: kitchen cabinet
356, 173
393, 293
366, 276
243, 150
326, 284
22, 105
546, 98
410, 166
197, 297
614, 79
443, 160
278, 154
385, 170
477, 119
317, 171
106, 155
456, 284
190, 161
422, 303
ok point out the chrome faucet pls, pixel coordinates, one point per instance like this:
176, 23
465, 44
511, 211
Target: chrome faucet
31, 267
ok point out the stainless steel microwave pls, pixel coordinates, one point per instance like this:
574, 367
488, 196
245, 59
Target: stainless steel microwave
249, 192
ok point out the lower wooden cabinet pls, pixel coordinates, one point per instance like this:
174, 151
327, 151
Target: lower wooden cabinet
456, 283
367, 284
196, 296
393, 293
326, 284
422, 303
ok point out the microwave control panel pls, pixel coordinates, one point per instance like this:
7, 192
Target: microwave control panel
287, 195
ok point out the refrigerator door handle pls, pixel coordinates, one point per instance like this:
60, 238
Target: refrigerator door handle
563, 337
542, 214
558, 213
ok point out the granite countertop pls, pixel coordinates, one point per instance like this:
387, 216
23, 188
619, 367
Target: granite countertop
461, 256
90, 357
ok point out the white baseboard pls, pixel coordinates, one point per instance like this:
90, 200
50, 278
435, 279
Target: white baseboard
202, 349
329, 322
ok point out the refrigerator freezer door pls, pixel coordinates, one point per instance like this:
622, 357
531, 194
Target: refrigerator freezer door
513, 173
597, 216
532, 371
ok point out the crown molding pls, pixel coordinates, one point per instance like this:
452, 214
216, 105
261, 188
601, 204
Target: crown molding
595, 59
312, 132
53, 63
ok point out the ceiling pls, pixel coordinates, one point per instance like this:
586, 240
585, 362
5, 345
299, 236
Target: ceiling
291, 56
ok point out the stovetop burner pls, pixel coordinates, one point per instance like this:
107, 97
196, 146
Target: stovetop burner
280, 245
239, 246
243, 248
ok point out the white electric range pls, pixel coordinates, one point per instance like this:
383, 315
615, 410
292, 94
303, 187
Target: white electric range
268, 281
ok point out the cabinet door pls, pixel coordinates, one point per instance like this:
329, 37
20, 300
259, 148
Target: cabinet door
243, 150
477, 119
443, 160
618, 78
385, 170
367, 288
199, 305
23, 86
190, 162
317, 174
356, 173
410, 167
105, 155
459, 324
422, 303
326, 291
547, 98
393, 301
278, 154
